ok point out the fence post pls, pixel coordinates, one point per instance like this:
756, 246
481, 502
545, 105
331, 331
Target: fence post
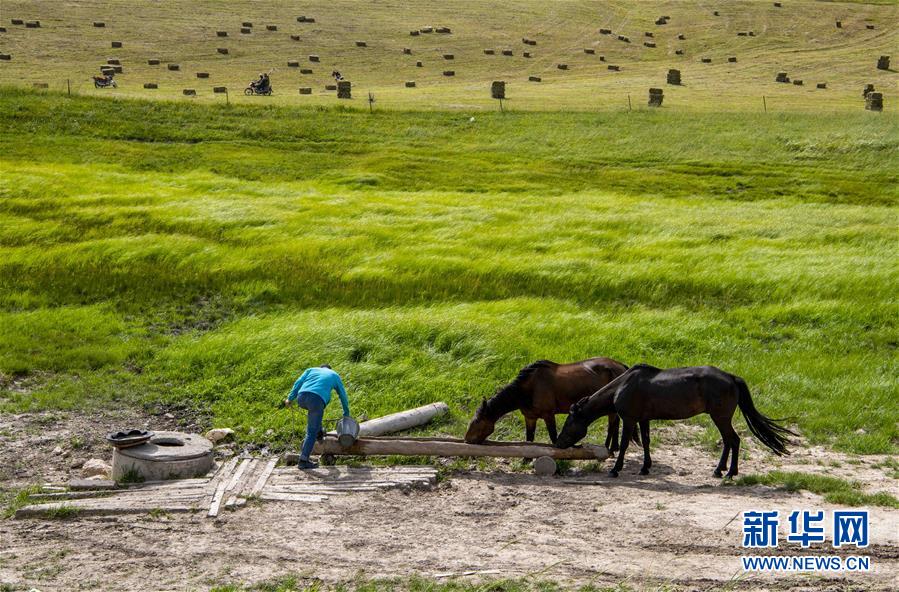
764, 103
68, 87
629, 101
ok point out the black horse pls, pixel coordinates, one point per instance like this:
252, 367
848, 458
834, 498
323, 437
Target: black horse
644, 393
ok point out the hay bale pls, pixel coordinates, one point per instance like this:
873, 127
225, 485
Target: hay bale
117, 44
751, 33
33, 25
741, 33
246, 30
301, 19
99, 24
152, 62
271, 27
883, 63
614, 68
107, 69
17, 21
314, 58
605, 31
732, 59
589, 51
781, 77
305, 70
839, 24
221, 33
673, 77
449, 72
174, 67
247, 25
117, 69
5, 57
489, 52
410, 84
797, 82
220, 90
661, 21
427, 29
534, 79
150, 85
656, 96
679, 52
681, 36
2, 29
222, 50
443, 30
305, 90
602, 58
361, 44
344, 90
649, 44
562, 66
874, 101
189, 92
526, 54
294, 37
293, 64
623, 38
716, 13
40, 85
114, 62
330, 87
821, 85
498, 89
202, 74
869, 88
777, 5
407, 51
706, 60
449, 56
648, 34
414, 33
869, 27
309, 20
507, 52
419, 65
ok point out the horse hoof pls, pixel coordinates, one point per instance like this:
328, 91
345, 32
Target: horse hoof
717, 474
613, 473
644, 471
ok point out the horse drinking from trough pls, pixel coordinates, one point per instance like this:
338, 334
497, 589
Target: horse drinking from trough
644, 393
542, 390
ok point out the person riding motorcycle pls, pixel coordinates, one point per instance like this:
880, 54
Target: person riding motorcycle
262, 84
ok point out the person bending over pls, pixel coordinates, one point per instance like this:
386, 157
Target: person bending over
312, 392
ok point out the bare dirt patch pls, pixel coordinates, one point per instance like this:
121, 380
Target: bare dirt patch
678, 527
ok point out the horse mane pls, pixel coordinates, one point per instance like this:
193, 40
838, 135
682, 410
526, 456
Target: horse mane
510, 397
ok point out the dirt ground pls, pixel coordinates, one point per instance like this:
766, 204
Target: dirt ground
677, 528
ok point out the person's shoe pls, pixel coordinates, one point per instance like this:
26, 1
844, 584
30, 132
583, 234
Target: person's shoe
305, 465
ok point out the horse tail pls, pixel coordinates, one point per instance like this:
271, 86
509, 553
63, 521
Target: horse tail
767, 430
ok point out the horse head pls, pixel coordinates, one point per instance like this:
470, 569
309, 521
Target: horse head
481, 426
576, 425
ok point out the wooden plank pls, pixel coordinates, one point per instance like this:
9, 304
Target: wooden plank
217, 500
244, 482
237, 474
263, 477
292, 497
40, 510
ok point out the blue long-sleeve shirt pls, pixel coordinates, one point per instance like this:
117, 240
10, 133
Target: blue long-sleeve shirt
321, 381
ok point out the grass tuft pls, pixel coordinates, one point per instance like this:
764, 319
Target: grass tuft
833, 489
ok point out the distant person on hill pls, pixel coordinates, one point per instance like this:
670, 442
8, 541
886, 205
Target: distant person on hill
337, 75
312, 392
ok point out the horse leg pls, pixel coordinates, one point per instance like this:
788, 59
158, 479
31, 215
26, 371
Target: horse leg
626, 433
725, 429
644, 435
550, 422
612, 433
734, 450
530, 428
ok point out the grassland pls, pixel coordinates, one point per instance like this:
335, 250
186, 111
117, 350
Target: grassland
801, 38
160, 253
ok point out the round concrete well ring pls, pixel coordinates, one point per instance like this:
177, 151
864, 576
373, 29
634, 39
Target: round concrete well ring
167, 455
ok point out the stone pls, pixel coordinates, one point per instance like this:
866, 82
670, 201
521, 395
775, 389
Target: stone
220, 435
91, 484
96, 468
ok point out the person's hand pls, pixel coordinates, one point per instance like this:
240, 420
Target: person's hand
285, 403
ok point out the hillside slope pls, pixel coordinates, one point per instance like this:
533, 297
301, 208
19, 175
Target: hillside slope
800, 38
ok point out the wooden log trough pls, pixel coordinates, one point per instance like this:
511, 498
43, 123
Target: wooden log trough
546, 454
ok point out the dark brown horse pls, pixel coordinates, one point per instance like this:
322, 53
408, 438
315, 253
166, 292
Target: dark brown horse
644, 393
543, 389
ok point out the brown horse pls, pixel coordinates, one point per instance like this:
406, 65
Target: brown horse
644, 393
543, 389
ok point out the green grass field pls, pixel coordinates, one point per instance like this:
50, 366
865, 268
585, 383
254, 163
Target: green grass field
157, 252
801, 38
